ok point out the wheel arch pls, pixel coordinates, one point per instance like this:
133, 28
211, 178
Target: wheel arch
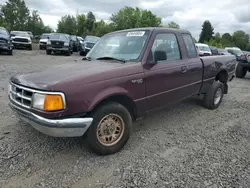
121, 98
222, 76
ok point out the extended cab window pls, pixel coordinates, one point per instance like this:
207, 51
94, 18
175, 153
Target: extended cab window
166, 42
189, 43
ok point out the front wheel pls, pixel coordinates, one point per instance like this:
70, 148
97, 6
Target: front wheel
110, 129
214, 96
10, 52
240, 71
48, 52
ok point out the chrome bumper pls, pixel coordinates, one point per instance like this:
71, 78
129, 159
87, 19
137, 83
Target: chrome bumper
70, 127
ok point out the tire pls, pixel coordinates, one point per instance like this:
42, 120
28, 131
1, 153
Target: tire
30, 48
216, 90
240, 71
122, 115
82, 53
48, 52
10, 52
68, 53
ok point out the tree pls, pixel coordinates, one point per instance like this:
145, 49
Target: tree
206, 32
217, 37
90, 21
81, 28
67, 24
16, 14
226, 40
173, 25
129, 17
240, 39
101, 28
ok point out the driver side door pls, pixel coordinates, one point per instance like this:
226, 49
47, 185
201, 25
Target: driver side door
167, 79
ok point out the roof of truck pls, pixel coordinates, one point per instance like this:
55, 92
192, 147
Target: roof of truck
154, 28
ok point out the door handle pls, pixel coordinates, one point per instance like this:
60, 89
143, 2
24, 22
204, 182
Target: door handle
184, 69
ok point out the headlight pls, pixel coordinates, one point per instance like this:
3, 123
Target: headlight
48, 42
29, 40
48, 102
66, 44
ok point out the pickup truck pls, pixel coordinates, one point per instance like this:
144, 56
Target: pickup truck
101, 96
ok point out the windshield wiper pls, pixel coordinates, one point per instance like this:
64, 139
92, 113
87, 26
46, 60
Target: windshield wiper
111, 58
86, 58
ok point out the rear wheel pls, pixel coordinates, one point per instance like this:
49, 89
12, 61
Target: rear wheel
240, 71
110, 129
214, 96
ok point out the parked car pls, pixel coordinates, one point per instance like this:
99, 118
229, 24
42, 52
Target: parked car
5, 41
43, 40
240, 56
75, 43
21, 39
214, 50
80, 42
59, 42
244, 65
223, 52
87, 44
203, 49
149, 69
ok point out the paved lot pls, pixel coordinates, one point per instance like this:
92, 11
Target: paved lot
185, 146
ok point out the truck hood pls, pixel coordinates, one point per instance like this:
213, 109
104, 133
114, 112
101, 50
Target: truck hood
43, 40
20, 37
2, 36
74, 73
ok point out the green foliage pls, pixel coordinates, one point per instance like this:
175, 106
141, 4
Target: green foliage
173, 25
129, 17
90, 21
206, 32
67, 24
16, 16
81, 20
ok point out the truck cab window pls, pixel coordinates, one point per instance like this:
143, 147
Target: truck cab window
189, 43
167, 43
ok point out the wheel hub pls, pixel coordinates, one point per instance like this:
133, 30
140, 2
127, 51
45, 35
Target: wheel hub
110, 130
217, 96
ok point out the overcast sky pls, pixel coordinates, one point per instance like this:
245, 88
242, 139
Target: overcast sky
225, 15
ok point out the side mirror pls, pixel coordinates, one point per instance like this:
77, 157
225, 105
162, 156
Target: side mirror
160, 56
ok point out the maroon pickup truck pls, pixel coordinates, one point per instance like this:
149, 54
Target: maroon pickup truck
126, 75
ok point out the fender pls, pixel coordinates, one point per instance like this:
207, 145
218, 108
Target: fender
106, 93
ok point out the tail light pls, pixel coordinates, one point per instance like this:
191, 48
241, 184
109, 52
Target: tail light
243, 57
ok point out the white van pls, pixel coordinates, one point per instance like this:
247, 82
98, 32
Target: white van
203, 49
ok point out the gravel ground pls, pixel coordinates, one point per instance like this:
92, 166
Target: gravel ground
184, 146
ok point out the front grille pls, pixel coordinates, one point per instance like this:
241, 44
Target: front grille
43, 43
90, 45
20, 40
3, 41
57, 44
21, 95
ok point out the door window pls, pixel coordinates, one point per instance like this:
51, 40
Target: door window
167, 43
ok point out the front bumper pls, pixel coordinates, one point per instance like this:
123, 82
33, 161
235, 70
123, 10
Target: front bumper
70, 127
21, 44
6, 47
58, 49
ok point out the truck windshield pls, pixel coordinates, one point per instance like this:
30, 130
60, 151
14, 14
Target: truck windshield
20, 33
45, 36
122, 45
58, 37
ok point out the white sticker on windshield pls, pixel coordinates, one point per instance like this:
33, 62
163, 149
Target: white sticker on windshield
135, 34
